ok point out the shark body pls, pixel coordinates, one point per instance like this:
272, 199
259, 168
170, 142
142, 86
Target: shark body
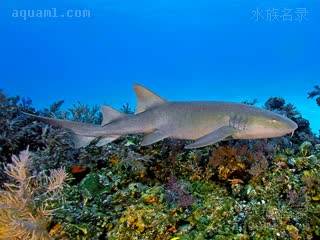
204, 122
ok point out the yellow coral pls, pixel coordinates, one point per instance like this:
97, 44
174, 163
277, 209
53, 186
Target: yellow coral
229, 159
293, 232
140, 224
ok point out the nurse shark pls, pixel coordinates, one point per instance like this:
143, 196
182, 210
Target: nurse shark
206, 122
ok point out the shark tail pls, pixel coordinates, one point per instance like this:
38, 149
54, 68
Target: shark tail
82, 134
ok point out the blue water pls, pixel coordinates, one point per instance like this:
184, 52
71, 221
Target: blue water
183, 50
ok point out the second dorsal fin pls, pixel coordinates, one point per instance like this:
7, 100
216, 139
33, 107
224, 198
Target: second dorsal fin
146, 99
109, 115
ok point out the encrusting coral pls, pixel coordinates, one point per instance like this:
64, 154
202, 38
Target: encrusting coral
28, 201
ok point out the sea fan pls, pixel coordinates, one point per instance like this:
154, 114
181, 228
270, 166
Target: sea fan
24, 208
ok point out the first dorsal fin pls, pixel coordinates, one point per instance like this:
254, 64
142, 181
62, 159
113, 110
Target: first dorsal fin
146, 99
109, 115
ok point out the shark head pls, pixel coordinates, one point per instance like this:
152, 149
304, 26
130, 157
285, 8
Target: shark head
268, 124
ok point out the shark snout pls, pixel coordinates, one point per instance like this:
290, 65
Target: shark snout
292, 126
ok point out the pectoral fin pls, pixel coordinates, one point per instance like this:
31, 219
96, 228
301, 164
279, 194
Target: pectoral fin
153, 137
213, 137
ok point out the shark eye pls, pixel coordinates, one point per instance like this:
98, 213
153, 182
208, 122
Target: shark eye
274, 122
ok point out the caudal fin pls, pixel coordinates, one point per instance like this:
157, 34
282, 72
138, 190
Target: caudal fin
79, 128
83, 133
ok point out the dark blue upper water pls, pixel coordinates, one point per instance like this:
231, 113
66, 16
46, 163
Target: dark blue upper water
93, 51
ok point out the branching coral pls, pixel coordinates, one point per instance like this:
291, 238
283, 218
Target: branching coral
314, 93
55, 111
134, 161
84, 113
126, 108
27, 203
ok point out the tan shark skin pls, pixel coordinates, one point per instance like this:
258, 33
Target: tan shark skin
205, 122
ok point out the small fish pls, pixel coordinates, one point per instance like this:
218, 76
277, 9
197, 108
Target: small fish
205, 122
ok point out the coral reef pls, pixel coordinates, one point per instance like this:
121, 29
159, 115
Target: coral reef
246, 189
304, 132
16, 132
281, 201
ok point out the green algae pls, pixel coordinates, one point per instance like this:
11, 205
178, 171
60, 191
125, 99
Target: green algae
95, 184
305, 148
